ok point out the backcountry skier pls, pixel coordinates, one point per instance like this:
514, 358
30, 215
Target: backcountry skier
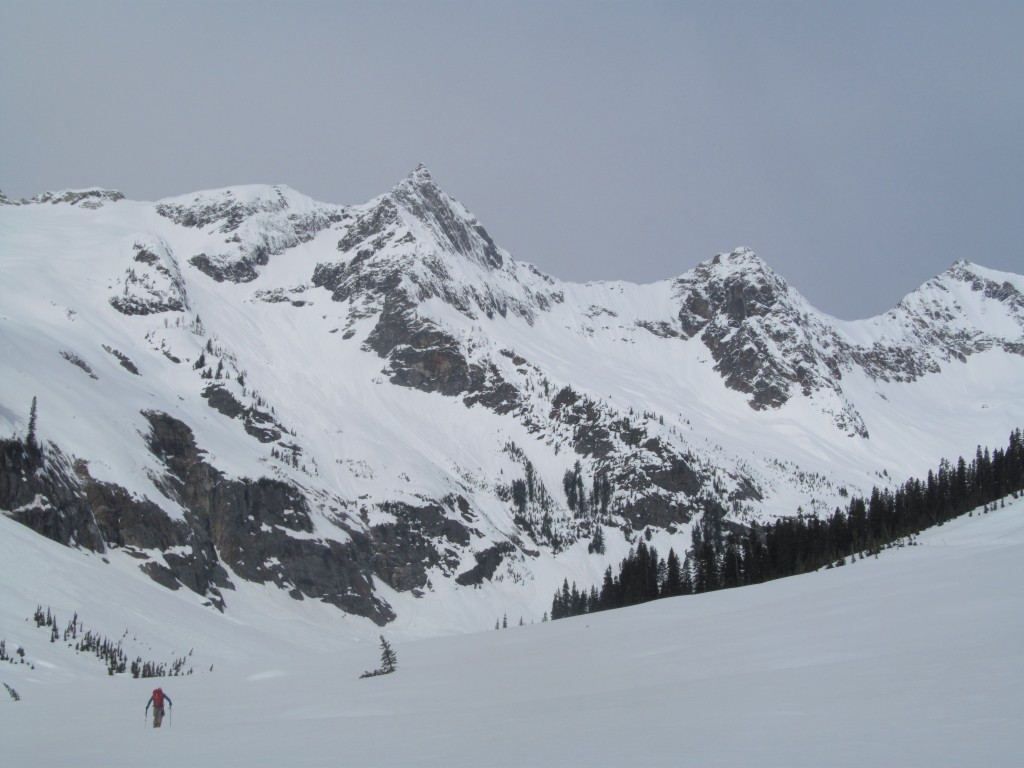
157, 700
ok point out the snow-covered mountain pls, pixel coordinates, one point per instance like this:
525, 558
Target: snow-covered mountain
378, 407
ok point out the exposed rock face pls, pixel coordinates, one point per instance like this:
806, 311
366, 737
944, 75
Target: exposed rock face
246, 525
487, 562
423, 356
411, 240
935, 328
769, 343
222, 268
409, 547
152, 282
760, 334
43, 492
231, 528
260, 222
454, 229
662, 487
397, 254
258, 423
86, 198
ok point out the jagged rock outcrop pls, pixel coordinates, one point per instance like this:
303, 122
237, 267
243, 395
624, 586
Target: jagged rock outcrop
85, 198
40, 489
768, 342
245, 525
259, 222
152, 283
763, 338
403, 251
249, 525
487, 562
933, 327
454, 229
661, 486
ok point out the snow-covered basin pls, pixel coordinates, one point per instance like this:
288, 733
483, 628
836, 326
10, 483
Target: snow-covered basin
914, 658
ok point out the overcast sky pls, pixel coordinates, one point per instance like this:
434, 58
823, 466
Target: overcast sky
859, 147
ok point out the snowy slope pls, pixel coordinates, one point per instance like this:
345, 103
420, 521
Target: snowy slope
911, 659
336, 400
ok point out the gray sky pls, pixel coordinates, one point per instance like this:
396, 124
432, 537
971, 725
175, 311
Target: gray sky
859, 147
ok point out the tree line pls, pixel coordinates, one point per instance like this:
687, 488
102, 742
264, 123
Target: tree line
724, 555
108, 651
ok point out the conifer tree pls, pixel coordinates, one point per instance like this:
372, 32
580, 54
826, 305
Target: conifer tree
30, 438
388, 658
519, 495
687, 578
609, 599
673, 584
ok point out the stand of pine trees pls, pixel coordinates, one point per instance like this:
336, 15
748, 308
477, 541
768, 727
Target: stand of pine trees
800, 544
108, 651
642, 576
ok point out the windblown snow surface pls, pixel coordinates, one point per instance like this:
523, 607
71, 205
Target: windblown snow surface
913, 658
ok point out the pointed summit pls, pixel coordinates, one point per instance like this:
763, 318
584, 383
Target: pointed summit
736, 285
419, 182
420, 175
451, 226
767, 342
742, 260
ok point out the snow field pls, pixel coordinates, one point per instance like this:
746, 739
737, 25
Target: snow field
909, 659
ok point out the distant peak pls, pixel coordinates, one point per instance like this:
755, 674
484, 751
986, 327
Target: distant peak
736, 285
963, 269
420, 175
741, 261
982, 278
451, 224
418, 183
741, 255
93, 197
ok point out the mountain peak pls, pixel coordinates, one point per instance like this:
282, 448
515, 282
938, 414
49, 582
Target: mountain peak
450, 224
968, 271
420, 175
742, 270
741, 259
740, 253
94, 197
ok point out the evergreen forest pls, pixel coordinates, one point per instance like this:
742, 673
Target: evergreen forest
724, 556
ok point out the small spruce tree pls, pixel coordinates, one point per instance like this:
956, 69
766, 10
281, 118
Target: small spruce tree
30, 438
388, 658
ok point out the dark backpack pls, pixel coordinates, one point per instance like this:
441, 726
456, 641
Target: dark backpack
158, 698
